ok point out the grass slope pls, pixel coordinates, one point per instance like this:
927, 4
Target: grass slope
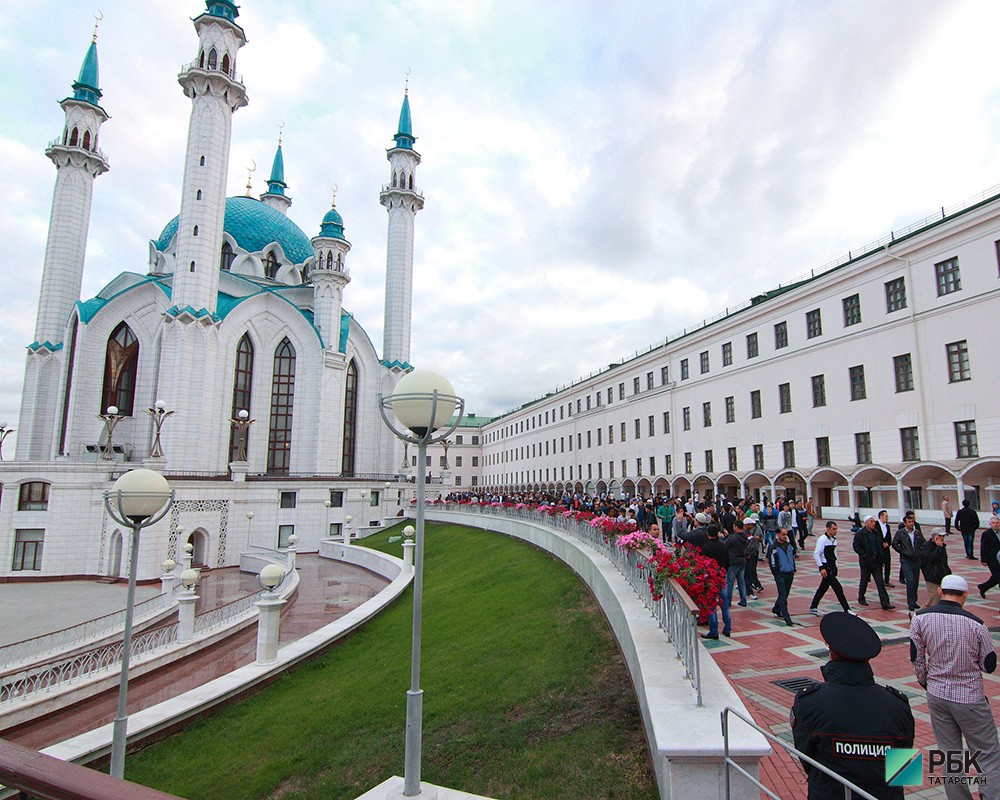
526, 695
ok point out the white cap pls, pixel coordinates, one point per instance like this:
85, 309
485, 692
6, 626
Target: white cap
869, 517
954, 583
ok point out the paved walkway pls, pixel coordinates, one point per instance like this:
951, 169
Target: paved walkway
327, 590
763, 650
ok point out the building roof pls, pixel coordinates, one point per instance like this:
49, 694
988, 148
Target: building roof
86, 86
254, 225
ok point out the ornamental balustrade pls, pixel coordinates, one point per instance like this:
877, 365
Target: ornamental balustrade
57, 675
30, 651
675, 612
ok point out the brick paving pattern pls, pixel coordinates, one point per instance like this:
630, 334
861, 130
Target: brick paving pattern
763, 650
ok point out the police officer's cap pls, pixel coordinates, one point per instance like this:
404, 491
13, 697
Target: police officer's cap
850, 637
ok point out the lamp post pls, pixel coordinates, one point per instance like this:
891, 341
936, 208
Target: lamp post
423, 403
388, 486
138, 499
186, 601
269, 605
158, 413
4, 433
242, 425
111, 419
347, 528
249, 520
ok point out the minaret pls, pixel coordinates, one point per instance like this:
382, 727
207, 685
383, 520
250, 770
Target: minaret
275, 195
78, 161
402, 200
216, 91
330, 276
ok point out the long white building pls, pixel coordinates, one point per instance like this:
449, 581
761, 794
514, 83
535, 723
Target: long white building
870, 384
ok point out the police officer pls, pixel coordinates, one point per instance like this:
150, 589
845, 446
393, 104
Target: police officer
847, 723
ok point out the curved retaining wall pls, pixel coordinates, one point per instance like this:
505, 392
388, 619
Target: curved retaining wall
156, 721
685, 741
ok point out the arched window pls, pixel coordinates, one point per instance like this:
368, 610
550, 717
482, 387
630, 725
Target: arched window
195, 230
86, 140
225, 63
198, 195
329, 259
394, 181
242, 386
74, 138
279, 437
120, 365
226, 257
213, 59
270, 266
411, 183
350, 420
201, 59
340, 261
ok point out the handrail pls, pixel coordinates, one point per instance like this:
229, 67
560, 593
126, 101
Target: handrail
848, 786
47, 778
675, 612
31, 650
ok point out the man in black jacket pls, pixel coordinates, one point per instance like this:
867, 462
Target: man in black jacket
989, 553
934, 564
967, 521
847, 723
868, 544
909, 542
716, 549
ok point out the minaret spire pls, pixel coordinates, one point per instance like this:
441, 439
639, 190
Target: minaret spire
78, 162
402, 200
216, 92
275, 195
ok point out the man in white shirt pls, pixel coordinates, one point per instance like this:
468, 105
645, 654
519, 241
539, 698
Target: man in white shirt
825, 556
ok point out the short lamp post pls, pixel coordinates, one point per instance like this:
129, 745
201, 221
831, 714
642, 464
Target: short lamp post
168, 577
111, 419
138, 499
4, 433
242, 424
186, 600
249, 521
347, 528
269, 607
423, 403
385, 499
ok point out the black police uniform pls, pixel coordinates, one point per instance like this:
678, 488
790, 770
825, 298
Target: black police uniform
848, 722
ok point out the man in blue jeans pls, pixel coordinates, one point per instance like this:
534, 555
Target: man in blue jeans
716, 550
781, 559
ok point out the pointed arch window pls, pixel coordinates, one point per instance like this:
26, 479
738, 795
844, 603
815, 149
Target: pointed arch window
270, 266
329, 259
121, 361
279, 437
350, 420
242, 386
395, 182
226, 257
411, 183
86, 140
225, 64
201, 59
213, 59
74, 138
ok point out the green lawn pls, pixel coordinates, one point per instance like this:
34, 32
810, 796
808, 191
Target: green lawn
526, 695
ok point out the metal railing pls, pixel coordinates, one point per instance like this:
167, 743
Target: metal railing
731, 764
675, 612
32, 650
226, 614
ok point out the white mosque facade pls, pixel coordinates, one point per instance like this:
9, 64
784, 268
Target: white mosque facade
237, 310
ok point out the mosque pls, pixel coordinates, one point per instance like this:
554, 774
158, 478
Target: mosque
229, 362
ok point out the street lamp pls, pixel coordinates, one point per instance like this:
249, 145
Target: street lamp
249, 520
242, 425
423, 404
158, 413
111, 419
138, 499
4, 433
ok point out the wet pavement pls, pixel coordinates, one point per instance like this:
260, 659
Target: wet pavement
327, 590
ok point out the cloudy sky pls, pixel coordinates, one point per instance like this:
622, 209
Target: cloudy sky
597, 176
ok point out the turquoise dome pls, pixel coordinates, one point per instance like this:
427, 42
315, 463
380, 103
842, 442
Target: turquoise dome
254, 225
332, 225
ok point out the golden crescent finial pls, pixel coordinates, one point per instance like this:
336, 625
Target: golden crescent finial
98, 18
406, 89
333, 203
250, 171
281, 130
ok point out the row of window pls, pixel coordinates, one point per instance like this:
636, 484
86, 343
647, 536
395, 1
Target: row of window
966, 446
442, 461
947, 280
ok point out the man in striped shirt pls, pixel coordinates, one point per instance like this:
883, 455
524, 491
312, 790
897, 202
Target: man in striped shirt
950, 650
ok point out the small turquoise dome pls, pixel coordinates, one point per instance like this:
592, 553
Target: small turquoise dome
254, 225
332, 225
86, 87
